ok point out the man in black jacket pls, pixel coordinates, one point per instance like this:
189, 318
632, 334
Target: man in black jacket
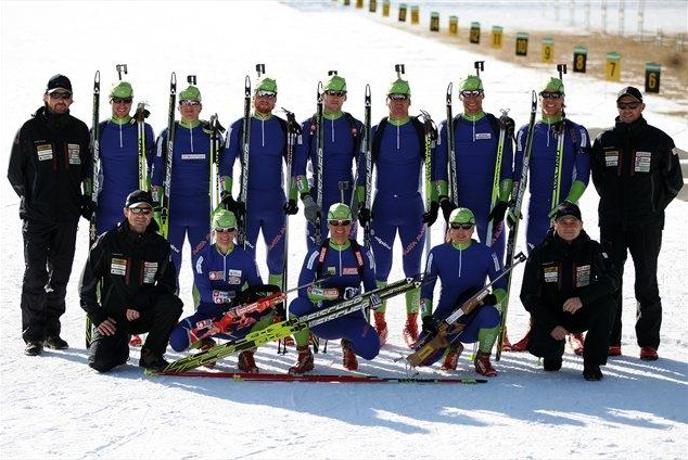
567, 288
636, 172
128, 287
50, 158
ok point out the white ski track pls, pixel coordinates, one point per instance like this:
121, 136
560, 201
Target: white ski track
54, 406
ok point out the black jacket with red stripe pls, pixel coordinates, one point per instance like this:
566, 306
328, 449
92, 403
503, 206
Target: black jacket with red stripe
126, 270
49, 160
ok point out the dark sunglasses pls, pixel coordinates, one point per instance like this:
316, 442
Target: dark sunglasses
335, 93
266, 94
628, 105
473, 93
146, 211
225, 230
121, 100
340, 222
462, 226
551, 95
60, 95
398, 97
190, 103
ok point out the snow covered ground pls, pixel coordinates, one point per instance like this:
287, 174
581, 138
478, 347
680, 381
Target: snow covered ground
54, 406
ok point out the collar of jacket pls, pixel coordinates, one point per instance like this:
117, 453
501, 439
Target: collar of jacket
631, 128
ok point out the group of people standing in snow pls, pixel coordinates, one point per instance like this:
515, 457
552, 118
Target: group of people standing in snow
129, 285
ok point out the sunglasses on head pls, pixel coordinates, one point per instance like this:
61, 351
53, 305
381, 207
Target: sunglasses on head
628, 105
60, 95
462, 226
398, 97
472, 93
121, 100
340, 222
145, 210
225, 230
551, 95
335, 93
266, 94
189, 103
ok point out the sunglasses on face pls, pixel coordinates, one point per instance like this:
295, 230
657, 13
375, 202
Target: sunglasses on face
189, 103
628, 105
121, 100
225, 230
336, 93
266, 94
462, 226
340, 222
551, 95
60, 95
398, 97
145, 211
473, 93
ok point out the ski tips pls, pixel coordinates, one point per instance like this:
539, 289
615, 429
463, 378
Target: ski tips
96, 78
367, 90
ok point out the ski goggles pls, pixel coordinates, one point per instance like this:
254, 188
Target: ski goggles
189, 103
551, 95
335, 93
145, 210
628, 105
456, 226
122, 100
471, 93
266, 94
398, 97
60, 95
225, 230
339, 222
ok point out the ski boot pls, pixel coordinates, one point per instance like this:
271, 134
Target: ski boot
381, 326
349, 360
577, 342
247, 363
304, 361
451, 357
522, 345
648, 354
483, 366
614, 350
410, 331
205, 345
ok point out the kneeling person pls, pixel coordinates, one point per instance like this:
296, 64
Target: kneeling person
568, 287
462, 265
128, 287
347, 265
225, 275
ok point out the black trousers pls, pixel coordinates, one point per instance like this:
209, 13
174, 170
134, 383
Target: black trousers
594, 318
48, 255
644, 244
108, 351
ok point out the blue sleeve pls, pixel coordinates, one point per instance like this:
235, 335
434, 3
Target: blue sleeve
303, 148
520, 146
369, 283
231, 150
494, 270
308, 273
442, 156
431, 274
582, 154
150, 146
205, 290
158, 170
507, 171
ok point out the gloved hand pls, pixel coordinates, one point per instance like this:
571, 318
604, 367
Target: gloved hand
429, 325
246, 321
497, 213
431, 216
489, 299
364, 216
310, 209
349, 292
447, 207
237, 207
290, 207
512, 217
86, 207
375, 302
507, 123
